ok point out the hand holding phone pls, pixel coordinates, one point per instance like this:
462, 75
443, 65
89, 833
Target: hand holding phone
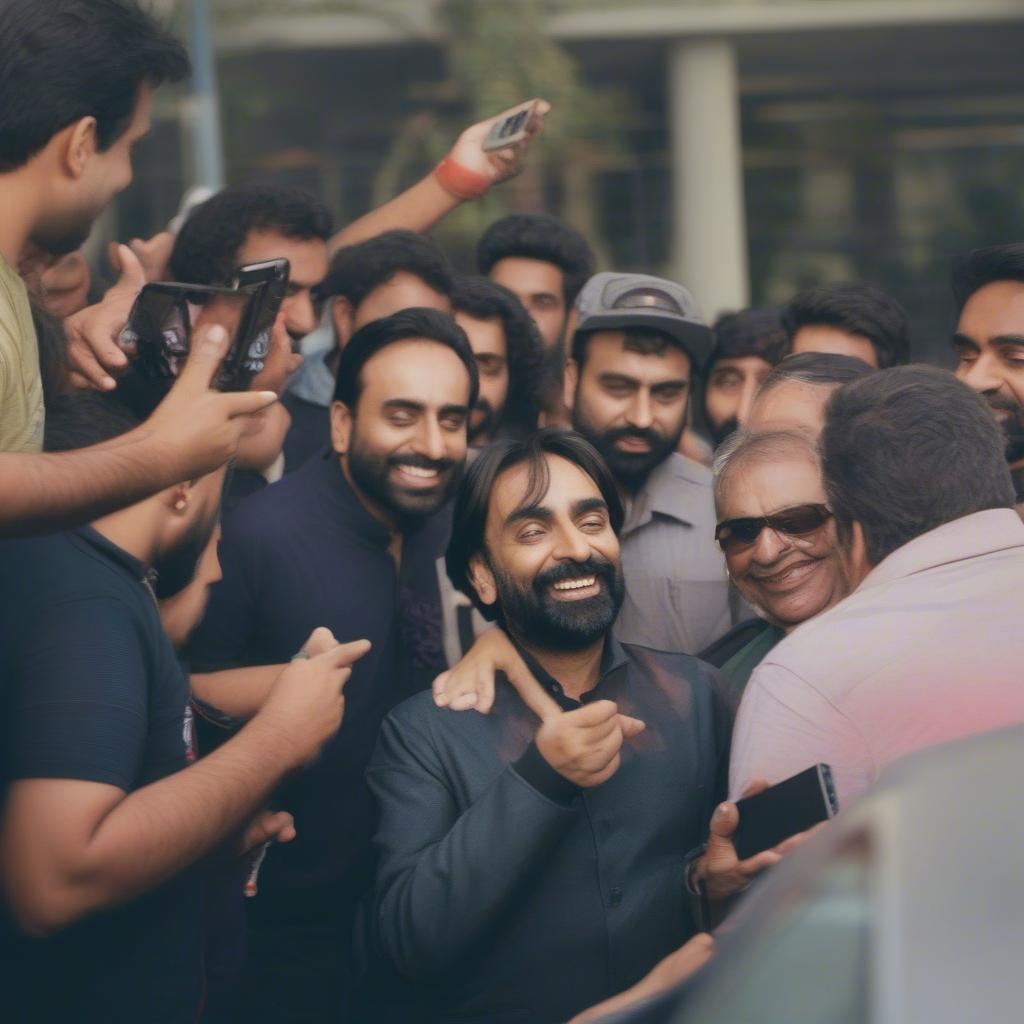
512, 128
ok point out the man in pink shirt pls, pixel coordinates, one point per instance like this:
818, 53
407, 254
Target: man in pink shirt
929, 646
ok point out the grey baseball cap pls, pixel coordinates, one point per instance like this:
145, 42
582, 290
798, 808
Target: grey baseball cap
617, 302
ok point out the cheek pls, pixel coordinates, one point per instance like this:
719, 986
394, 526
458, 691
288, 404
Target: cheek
721, 404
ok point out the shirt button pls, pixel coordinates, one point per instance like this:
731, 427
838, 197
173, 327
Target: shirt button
614, 896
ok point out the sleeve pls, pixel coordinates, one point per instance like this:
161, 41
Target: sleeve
785, 725
443, 877
224, 636
78, 696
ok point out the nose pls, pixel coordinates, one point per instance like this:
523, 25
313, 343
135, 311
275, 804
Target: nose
430, 439
769, 546
982, 375
639, 414
299, 313
746, 401
571, 545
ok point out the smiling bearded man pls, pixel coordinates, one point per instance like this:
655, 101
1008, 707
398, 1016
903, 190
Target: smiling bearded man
529, 861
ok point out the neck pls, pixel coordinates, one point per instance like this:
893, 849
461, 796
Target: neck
133, 530
18, 202
577, 672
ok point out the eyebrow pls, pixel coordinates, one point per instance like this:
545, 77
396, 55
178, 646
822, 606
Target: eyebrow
1000, 341
410, 406
544, 514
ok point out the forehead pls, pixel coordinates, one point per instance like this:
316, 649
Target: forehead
486, 337
995, 310
307, 256
402, 291
835, 341
416, 370
762, 485
607, 353
526, 276
791, 405
567, 485
747, 366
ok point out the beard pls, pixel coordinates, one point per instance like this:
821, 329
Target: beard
532, 615
630, 469
176, 569
372, 475
1012, 425
481, 430
720, 433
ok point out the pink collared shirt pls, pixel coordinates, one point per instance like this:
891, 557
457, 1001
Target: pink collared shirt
929, 648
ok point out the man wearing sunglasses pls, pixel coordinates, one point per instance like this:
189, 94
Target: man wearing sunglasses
927, 647
779, 540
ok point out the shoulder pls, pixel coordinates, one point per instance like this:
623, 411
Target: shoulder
270, 509
689, 471
671, 664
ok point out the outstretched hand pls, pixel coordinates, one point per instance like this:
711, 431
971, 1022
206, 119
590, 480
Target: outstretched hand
500, 164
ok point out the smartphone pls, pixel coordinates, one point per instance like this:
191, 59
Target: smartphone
165, 316
510, 129
273, 275
781, 811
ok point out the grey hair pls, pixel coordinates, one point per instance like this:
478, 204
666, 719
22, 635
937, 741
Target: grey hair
759, 446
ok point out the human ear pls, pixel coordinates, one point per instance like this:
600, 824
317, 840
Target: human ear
341, 427
569, 383
343, 315
79, 145
482, 579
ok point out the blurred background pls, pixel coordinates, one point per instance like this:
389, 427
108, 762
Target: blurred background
744, 147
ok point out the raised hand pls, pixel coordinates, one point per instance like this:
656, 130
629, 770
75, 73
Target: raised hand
500, 164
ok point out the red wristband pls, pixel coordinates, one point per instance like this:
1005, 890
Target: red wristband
460, 181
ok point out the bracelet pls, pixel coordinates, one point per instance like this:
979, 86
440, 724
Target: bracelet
460, 181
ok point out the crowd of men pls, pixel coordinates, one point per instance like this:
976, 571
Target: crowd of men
418, 682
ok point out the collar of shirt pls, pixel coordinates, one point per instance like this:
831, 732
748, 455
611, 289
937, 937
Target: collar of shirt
136, 569
982, 533
675, 489
336, 493
613, 658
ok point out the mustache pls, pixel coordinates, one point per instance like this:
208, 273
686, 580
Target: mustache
1004, 403
421, 462
649, 434
595, 566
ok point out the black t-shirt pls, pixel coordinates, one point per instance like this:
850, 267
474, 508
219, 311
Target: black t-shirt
93, 690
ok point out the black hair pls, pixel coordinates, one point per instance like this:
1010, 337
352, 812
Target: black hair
645, 341
484, 299
401, 326
84, 418
979, 267
905, 451
857, 307
63, 60
207, 246
818, 369
469, 517
357, 270
750, 332
538, 236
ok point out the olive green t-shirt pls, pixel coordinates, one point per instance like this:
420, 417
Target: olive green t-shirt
21, 387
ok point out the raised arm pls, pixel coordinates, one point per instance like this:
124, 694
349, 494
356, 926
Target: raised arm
194, 430
432, 198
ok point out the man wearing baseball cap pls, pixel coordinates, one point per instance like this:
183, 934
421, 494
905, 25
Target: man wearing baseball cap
637, 347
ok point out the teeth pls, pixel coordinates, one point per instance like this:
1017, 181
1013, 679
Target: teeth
576, 584
423, 474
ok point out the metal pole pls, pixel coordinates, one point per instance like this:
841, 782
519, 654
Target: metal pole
208, 144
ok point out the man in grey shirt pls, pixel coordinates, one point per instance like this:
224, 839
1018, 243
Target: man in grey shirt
633, 357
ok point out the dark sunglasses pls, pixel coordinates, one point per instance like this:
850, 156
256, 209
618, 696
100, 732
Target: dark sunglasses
735, 534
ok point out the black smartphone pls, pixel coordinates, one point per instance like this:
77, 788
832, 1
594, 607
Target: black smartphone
781, 811
270, 280
165, 316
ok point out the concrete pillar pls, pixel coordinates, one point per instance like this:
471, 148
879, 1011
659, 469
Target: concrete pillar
205, 106
709, 235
